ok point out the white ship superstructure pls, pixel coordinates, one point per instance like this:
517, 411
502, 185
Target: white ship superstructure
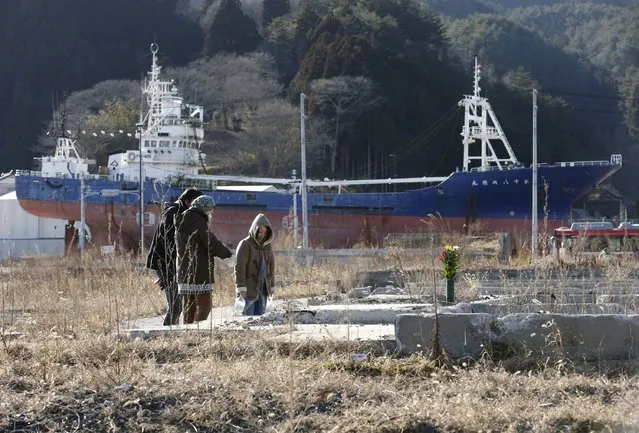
65, 162
169, 134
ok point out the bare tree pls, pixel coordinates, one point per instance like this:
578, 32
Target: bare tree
273, 135
270, 143
229, 83
85, 116
346, 97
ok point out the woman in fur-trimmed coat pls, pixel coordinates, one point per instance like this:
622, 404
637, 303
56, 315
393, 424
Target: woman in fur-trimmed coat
255, 267
197, 248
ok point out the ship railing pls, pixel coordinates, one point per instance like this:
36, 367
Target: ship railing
583, 163
63, 176
543, 164
28, 173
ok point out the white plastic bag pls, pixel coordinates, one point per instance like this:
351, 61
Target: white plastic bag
270, 307
238, 308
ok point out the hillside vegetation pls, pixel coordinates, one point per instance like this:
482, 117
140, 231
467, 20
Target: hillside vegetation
382, 78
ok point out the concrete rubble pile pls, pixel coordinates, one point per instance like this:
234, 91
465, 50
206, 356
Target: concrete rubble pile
580, 319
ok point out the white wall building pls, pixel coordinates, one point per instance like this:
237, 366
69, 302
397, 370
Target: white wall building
23, 234
7, 183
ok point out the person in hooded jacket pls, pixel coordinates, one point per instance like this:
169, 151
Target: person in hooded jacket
255, 267
162, 253
197, 248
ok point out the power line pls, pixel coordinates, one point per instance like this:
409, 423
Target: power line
450, 145
240, 100
593, 110
585, 95
274, 117
403, 151
425, 135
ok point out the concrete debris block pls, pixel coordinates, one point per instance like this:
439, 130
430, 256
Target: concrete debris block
380, 278
314, 301
504, 308
607, 308
607, 336
382, 314
277, 317
123, 388
559, 297
460, 334
505, 247
10, 336
461, 308
577, 297
140, 334
523, 331
390, 299
334, 297
359, 357
388, 290
149, 333
585, 336
489, 306
630, 301
303, 317
359, 292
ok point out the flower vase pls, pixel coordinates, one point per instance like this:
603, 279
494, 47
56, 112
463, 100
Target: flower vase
450, 291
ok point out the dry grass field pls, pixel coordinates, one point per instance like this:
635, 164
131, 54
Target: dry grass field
63, 368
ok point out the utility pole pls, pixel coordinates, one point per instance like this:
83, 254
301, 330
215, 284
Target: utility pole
139, 125
295, 225
304, 202
534, 178
82, 217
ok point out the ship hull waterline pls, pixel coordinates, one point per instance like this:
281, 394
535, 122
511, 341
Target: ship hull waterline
232, 226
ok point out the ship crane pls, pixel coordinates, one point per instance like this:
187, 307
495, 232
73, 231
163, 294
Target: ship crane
477, 112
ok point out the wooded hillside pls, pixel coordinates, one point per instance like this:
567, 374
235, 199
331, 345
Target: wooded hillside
382, 78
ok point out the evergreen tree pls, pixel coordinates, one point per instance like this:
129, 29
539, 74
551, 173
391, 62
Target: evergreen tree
629, 104
231, 31
274, 9
357, 39
520, 81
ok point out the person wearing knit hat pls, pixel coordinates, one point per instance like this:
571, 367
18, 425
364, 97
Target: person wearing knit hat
162, 253
204, 203
197, 247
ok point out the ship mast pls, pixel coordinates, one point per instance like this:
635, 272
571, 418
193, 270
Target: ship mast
155, 89
477, 113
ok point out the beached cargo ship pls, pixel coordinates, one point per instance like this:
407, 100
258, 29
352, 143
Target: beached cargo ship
491, 192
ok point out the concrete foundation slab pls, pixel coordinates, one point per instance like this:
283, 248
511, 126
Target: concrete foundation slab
342, 321
383, 334
299, 333
366, 313
460, 334
610, 336
354, 313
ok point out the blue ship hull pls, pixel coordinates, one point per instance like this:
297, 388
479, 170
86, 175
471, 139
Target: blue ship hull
493, 200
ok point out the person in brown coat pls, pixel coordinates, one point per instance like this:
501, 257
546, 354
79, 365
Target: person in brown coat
196, 248
161, 255
255, 267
